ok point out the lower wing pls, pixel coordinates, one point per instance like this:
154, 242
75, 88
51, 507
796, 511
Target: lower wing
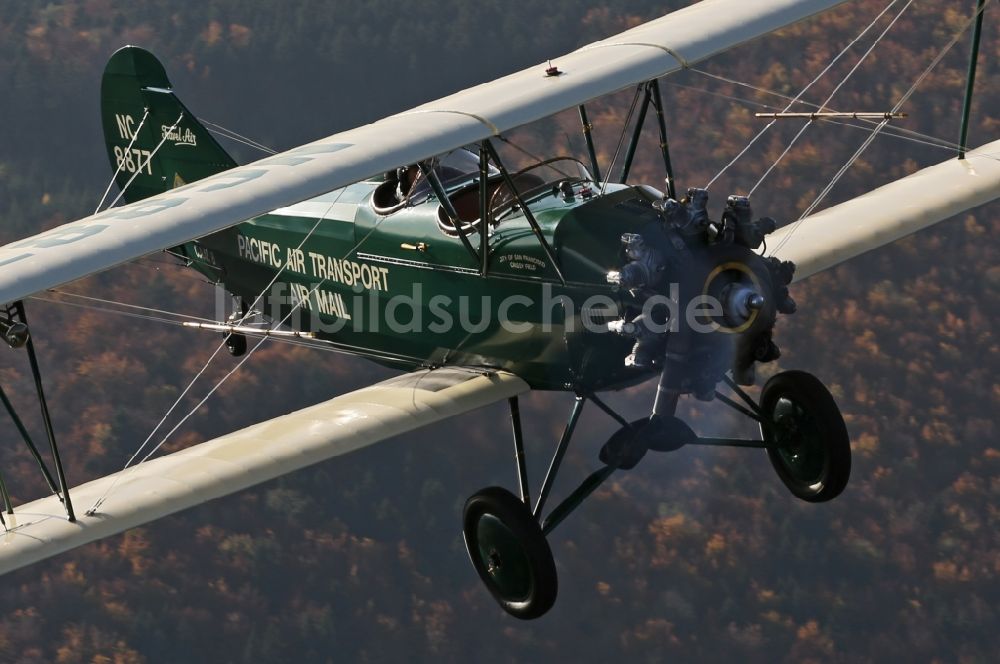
216, 468
832, 236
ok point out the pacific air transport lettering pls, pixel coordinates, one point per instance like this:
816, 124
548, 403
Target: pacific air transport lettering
319, 266
296, 261
349, 273
259, 251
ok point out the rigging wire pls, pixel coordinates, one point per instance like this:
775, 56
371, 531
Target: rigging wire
802, 92
890, 130
118, 312
204, 368
532, 156
249, 354
236, 137
219, 130
126, 305
323, 345
781, 156
906, 96
713, 93
621, 139
149, 159
246, 357
836, 89
121, 162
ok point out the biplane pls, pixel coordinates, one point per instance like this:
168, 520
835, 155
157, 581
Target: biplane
410, 242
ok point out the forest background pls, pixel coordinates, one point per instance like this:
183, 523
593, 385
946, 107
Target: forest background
700, 555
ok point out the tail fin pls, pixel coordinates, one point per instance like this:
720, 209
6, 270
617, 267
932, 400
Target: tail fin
148, 131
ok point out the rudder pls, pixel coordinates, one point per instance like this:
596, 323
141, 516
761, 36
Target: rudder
150, 135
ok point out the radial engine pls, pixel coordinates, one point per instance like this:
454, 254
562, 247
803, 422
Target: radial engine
703, 301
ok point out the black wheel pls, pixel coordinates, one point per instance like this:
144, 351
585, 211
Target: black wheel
808, 442
510, 553
236, 344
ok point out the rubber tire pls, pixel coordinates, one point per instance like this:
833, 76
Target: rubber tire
810, 394
517, 518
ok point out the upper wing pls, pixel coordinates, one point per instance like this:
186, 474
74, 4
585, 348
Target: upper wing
239, 460
926, 197
122, 234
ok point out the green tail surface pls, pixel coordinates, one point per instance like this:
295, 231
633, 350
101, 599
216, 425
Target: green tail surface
150, 135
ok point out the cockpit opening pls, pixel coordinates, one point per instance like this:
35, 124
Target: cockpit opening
552, 177
407, 185
458, 172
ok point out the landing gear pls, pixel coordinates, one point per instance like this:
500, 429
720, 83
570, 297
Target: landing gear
802, 432
510, 553
806, 437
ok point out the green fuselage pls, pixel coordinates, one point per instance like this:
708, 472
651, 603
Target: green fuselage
399, 290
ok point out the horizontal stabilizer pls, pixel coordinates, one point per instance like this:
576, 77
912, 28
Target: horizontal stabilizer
930, 195
256, 454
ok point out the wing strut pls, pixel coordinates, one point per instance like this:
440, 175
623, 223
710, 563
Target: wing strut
16, 333
449, 209
524, 208
651, 97
970, 83
588, 135
664, 143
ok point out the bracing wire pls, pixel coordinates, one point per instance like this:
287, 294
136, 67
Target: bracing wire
315, 344
234, 136
121, 164
125, 305
868, 141
242, 361
246, 357
830, 97
802, 92
621, 139
208, 362
890, 130
149, 159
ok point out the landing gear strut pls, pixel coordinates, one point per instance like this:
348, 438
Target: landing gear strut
802, 432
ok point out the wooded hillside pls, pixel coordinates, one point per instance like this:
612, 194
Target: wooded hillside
701, 555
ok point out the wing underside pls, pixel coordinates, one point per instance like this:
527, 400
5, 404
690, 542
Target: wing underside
216, 468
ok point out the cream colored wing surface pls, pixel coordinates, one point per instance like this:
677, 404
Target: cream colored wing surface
256, 454
122, 234
930, 195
